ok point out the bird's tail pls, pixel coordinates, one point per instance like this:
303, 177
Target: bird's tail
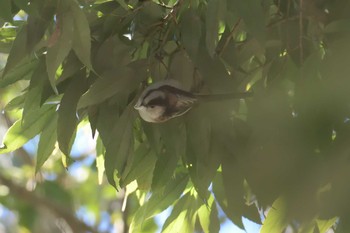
223, 96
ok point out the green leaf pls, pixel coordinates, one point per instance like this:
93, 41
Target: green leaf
22, 71
70, 66
202, 164
191, 32
82, 37
182, 217
142, 163
153, 135
67, 112
37, 26
185, 74
246, 9
33, 97
18, 50
119, 80
216, 11
5, 10
276, 219
307, 227
120, 148
47, 143
107, 115
17, 135
57, 52
337, 26
16, 103
208, 216
233, 180
174, 148
324, 225
100, 160
221, 197
159, 201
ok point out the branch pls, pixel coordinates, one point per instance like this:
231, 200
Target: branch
38, 201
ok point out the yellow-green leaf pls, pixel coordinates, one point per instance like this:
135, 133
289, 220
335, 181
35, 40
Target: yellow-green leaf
159, 201
17, 135
276, 219
324, 225
100, 160
208, 216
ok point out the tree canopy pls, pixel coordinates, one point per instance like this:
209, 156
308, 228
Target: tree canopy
280, 158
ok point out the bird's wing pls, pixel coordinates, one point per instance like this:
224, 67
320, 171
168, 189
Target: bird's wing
185, 101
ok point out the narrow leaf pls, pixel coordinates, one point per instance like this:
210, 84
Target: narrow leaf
16, 103
22, 71
67, 112
208, 216
337, 26
111, 82
143, 162
216, 11
276, 219
174, 147
191, 32
17, 136
119, 149
82, 37
33, 97
222, 199
182, 217
100, 161
18, 50
202, 164
46, 143
61, 45
324, 225
159, 201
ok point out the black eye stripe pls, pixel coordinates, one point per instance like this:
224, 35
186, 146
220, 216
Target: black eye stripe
175, 90
157, 101
167, 88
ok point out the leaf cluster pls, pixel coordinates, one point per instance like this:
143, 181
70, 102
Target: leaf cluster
285, 149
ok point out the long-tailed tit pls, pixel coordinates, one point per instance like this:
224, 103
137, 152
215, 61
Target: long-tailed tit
165, 100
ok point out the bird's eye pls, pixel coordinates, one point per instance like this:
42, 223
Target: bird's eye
152, 106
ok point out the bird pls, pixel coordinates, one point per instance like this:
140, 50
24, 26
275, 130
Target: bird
165, 100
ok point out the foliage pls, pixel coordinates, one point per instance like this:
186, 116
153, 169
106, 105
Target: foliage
285, 148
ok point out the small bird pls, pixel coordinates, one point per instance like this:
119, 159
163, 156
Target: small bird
165, 100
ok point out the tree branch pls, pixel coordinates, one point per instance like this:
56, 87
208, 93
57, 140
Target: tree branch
38, 201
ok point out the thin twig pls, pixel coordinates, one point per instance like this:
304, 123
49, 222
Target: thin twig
174, 9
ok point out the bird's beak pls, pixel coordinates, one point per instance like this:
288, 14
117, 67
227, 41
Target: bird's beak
137, 106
